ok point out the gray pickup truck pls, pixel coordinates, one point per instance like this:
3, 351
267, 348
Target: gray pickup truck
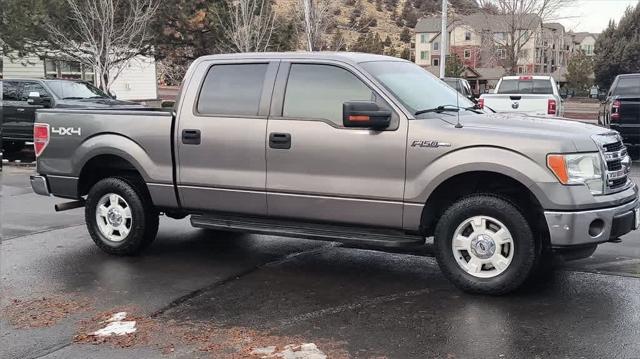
363, 149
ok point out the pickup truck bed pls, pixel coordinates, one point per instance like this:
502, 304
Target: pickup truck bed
140, 136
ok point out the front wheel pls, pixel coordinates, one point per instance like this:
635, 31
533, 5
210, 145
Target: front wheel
485, 245
120, 216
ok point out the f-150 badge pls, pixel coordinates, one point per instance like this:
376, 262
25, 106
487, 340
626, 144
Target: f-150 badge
429, 144
66, 131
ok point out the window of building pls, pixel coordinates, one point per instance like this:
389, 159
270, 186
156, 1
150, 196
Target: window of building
61, 69
424, 55
423, 38
435, 62
467, 36
520, 69
499, 36
467, 54
318, 91
501, 53
436, 46
232, 90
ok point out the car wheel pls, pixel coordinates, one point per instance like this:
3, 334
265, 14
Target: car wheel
120, 216
485, 245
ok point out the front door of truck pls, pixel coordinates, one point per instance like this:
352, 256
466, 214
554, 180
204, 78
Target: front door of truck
319, 170
220, 136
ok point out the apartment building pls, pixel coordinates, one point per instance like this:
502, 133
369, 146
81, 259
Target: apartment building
479, 41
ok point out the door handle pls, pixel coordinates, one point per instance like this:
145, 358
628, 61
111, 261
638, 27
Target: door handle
20, 109
280, 140
191, 137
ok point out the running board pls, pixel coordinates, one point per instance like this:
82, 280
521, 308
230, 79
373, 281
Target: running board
325, 232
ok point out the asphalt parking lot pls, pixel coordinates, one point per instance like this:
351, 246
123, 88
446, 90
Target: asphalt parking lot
198, 293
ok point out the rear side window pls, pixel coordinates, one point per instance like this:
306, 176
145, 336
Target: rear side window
30, 87
318, 91
12, 91
628, 86
232, 90
540, 87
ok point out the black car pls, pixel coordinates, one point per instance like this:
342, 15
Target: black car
22, 97
620, 110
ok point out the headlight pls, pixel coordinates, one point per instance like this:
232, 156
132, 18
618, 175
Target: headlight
579, 168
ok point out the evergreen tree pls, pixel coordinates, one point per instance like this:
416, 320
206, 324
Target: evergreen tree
578, 70
406, 53
405, 35
454, 67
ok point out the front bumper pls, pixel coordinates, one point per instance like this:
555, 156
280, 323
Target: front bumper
39, 185
592, 226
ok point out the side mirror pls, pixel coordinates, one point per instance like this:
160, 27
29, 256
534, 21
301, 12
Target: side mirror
35, 99
365, 115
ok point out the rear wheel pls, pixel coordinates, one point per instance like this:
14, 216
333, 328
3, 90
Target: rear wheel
120, 216
484, 244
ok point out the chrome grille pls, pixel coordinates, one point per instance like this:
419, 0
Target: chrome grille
618, 163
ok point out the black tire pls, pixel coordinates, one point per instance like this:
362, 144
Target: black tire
144, 216
524, 244
10, 147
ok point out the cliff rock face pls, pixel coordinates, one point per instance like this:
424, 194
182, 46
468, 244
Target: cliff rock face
376, 26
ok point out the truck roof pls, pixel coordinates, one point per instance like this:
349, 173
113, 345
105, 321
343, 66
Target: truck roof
349, 57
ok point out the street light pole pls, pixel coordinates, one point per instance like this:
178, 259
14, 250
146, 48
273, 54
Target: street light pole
443, 39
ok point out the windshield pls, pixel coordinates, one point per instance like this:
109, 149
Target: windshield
75, 90
415, 87
512, 86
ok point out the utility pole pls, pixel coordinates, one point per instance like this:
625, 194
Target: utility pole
443, 37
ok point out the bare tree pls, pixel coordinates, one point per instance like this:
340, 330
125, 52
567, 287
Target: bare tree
103, 34
518, 22
317, 18
249, 27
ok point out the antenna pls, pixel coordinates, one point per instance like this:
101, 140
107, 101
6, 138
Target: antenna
458, 124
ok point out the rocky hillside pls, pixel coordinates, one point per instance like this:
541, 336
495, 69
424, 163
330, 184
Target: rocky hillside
376, 26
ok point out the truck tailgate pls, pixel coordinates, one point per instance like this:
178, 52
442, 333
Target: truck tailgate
532, 104
143, 137
629, 122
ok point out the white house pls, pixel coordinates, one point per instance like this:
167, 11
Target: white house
137, 81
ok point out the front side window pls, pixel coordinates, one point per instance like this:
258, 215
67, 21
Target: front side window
318, 92
30, 87
416, 88
232, 90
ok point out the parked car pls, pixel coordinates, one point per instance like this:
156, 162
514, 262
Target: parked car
343, 147
536, 95
620, 110
461, 85
22, 97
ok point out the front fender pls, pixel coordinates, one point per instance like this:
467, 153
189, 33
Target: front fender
422, 182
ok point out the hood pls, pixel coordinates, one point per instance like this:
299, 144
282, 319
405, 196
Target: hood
97, 103
535, 127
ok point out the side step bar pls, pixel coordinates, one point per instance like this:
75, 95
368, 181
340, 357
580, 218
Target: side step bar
324, 232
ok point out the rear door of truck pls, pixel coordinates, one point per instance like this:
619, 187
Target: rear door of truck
220, 136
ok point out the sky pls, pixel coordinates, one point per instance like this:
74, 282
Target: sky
593, 15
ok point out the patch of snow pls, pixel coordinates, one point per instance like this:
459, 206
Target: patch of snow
302, 351
264, 351
116, 326
117, 317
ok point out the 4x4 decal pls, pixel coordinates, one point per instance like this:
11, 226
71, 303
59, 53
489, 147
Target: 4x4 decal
66, 131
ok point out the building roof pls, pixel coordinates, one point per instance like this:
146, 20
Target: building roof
429, 24
490, 73
480, 22
578, 37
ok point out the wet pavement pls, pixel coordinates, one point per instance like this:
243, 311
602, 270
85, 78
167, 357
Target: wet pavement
198, 293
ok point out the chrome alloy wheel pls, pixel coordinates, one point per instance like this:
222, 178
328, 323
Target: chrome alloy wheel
113, 216
482, 246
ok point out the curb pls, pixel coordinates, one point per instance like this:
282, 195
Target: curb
18, 163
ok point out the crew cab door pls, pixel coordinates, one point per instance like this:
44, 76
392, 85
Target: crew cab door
324, 171
220, 136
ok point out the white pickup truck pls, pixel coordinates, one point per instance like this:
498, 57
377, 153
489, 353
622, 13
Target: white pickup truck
535, 95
